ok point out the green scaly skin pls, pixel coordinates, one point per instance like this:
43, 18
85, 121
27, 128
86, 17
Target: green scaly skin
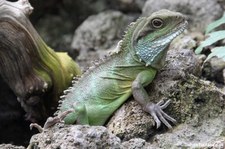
104, 88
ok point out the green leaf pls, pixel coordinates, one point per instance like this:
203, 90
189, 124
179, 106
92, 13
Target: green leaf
213, 37
215, 24
218, 52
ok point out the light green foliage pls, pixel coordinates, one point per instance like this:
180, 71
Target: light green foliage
215, 24
217, 51
212, 38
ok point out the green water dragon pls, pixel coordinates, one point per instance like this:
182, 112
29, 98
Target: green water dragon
102, 89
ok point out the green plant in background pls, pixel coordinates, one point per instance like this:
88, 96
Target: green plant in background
213, 37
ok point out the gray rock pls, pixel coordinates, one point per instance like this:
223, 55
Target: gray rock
75, 136
136, 143
199, 12
55, 32
10, 146
99, 32
210, 134
213, 70
130, 121
127, 5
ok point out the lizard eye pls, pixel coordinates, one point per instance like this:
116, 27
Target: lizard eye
157, 23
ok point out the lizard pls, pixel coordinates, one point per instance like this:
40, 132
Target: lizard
103, 88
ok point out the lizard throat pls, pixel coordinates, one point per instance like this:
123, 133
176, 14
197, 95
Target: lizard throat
151, 52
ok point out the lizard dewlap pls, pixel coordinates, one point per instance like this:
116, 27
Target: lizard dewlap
107, 85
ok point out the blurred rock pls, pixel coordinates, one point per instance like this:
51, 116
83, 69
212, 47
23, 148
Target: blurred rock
127, 6
213, 70
56, 20
99, 32
56, 32
200, 13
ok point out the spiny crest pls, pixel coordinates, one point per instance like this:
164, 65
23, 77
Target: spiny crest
122, 44
69, 89
76, 79
128, 33
95, 64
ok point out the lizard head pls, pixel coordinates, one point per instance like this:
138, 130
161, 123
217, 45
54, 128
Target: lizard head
153, 34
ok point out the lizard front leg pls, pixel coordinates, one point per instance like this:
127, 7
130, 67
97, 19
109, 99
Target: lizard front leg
141, 96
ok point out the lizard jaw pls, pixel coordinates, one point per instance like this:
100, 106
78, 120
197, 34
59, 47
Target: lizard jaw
148, 53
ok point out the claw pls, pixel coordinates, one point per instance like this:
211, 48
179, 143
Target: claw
159, 116
53, 120
156, 119
160, 102
165, 104
35, 125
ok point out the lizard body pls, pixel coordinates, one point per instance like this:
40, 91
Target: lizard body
106, 86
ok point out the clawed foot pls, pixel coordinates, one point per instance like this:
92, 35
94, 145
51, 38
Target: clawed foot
51, 121
156, 110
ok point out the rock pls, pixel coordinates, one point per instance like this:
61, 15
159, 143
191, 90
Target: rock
48, 17
200, 13
130, 121
10, 146
213, 70
127, 5
136, 143
99, 32
177, 81
75, 136
57, 33
210, 134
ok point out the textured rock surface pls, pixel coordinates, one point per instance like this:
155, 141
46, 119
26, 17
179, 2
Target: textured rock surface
10, 146
130, 121
208, 134
136, 143
75, 136
200, 13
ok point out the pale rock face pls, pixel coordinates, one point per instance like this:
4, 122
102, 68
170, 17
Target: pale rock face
200, 13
